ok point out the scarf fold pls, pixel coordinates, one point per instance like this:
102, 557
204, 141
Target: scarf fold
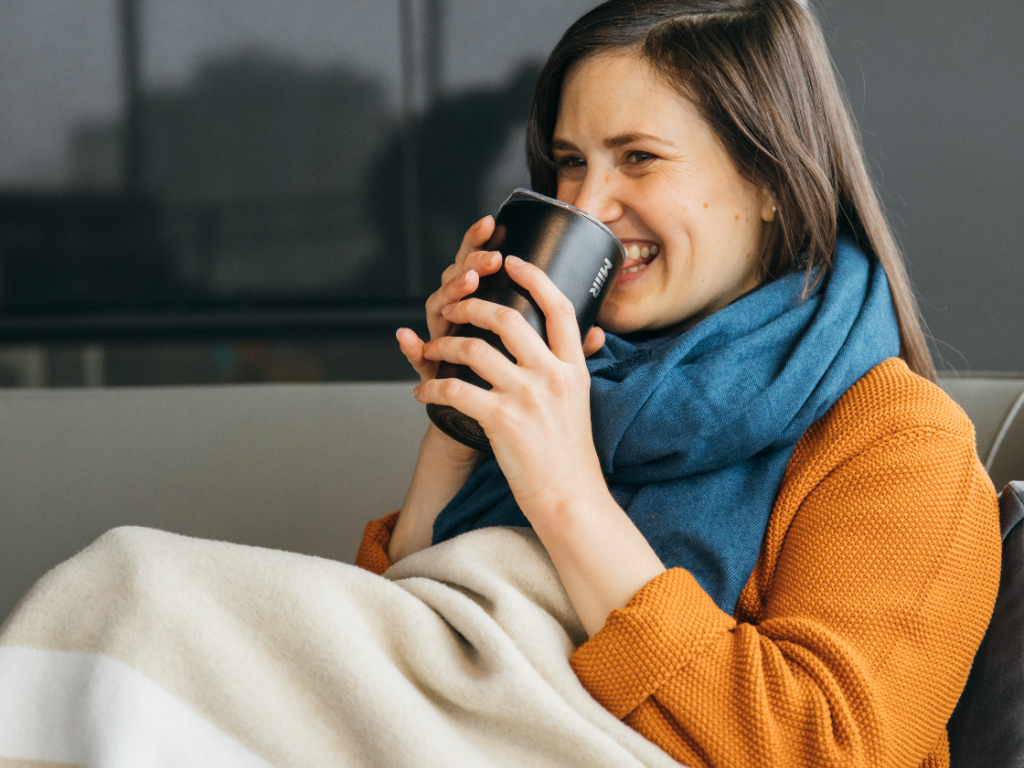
694, 431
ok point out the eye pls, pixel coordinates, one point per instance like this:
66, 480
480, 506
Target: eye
571, 161
637, 156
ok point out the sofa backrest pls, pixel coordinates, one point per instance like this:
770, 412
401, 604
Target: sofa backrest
995, 404
296, 467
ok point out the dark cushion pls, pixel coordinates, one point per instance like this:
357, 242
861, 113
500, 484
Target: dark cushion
987, 728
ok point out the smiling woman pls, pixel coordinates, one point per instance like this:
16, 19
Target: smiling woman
761, 535
753, 494
635, 154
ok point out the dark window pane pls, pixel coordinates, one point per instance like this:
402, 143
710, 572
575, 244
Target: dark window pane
255, 125
59, 69
478, 65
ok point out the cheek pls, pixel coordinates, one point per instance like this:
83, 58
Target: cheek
567, 190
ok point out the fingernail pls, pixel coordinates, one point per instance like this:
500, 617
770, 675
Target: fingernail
514, 260
446, 309
416, 391
398, 332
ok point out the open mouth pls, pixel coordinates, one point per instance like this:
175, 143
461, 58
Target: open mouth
638, 257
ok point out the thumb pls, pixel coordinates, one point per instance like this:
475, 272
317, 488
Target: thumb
593, 341
412, 347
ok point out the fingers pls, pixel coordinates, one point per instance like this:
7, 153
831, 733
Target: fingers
522, 342
593, 342
412, 347
474, 402
476, 237
463, 279
563, 330
484, 262
486, 361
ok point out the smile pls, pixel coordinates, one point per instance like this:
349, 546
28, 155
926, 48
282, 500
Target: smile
638, 258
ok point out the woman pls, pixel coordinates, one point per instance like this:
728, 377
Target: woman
763, 417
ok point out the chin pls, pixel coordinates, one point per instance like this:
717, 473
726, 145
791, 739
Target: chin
620, 320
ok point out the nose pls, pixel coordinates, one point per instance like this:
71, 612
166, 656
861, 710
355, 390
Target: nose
597, 195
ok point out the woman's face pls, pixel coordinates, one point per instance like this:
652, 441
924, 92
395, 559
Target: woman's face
639, 157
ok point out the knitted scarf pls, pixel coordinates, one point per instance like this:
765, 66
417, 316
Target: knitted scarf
694, 431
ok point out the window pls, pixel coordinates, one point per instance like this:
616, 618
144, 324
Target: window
249, 175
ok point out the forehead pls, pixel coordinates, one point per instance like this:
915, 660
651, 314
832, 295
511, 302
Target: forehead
614, 93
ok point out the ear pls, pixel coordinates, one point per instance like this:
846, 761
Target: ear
769, 208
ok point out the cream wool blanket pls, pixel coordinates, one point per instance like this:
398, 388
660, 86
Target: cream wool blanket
152, 649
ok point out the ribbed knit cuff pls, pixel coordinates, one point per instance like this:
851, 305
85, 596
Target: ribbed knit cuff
667, 624
373, 549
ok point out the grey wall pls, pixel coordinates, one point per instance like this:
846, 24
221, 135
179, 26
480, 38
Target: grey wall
938, 90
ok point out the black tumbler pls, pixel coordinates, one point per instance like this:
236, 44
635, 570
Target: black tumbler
580, 255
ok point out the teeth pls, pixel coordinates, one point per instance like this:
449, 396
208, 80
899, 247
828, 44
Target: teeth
642, 255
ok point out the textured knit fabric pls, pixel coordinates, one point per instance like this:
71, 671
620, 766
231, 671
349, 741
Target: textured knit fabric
685, 424
373, 549
854, 635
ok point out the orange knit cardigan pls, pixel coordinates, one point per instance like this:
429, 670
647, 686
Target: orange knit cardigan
854, 635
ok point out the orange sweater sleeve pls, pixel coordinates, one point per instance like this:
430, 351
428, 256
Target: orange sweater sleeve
882, 588
373, 549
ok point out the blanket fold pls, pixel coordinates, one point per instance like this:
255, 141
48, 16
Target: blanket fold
152, 649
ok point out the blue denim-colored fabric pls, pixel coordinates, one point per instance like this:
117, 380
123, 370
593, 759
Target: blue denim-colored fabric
694, 431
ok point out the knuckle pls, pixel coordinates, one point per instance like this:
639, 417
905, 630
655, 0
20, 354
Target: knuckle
450, 388
560, 385
477, 347
510, 317
503, 416
565, 307
567, 380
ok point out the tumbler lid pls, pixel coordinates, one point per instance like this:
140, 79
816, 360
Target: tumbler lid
521, 195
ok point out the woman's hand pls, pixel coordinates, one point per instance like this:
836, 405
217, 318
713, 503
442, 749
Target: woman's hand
444, 464
457, 281
537, 417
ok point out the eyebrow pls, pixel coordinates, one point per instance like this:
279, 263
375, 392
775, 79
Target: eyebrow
630, 138
616, 141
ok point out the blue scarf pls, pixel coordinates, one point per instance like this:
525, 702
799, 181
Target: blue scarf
694, 431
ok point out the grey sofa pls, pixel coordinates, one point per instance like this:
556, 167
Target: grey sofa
296, 467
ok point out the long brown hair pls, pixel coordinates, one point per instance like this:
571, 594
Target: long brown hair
760, 73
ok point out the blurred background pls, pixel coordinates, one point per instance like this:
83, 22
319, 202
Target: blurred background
216, 191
